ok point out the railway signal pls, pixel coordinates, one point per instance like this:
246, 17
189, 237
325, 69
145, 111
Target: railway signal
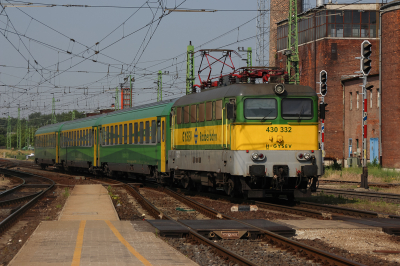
366, 51
323, 77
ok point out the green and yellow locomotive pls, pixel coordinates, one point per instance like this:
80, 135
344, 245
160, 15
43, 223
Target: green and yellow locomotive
255, 140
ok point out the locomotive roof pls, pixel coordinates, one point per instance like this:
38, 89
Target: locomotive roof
244, 89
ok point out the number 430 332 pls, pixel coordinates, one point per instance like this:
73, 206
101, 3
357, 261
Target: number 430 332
279, 129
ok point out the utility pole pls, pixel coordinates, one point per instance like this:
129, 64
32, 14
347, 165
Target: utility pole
131, 100
249, 57
159, 87
19, 130
26, 134
53, 111
190, 70
292, 51
261, 34
116, 99
8, 133
365, 68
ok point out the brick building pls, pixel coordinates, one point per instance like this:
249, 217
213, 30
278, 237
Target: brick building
390, 56
330, 38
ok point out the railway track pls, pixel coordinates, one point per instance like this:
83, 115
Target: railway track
35, 185
377, 196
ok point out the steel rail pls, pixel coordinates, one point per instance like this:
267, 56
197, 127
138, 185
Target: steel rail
280, 241
292, 210
366, 194
339, 210
12, 218
6, 203
12, 190
225, 253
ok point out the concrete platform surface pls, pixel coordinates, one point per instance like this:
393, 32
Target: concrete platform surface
324, 224
97, 243
89, 202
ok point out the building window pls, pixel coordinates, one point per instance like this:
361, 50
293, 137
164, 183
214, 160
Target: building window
378, 97
351, 101
358, 96
370, 99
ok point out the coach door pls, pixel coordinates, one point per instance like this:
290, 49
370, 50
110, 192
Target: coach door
94, 138
57, 150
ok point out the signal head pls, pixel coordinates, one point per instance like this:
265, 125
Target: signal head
366, 66
366, 49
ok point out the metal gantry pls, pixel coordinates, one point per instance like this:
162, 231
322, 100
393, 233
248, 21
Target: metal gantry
116, 105
159, 87
19, 129
249, 57
292, 51
53, 111
262, 42
8, 133
190, 69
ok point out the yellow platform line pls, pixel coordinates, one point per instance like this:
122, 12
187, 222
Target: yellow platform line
78, 247
127, 245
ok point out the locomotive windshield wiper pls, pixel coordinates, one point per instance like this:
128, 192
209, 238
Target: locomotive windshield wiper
266, 115
301, 111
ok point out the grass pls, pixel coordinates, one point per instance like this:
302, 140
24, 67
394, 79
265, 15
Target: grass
66, 192
359, 204
12, 153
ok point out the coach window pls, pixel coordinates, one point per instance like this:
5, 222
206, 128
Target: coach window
116, 135
147, 132
90, 138
297, 108
107, 136
87, 137
193, 113
125, 133
153, 131
201, 112
179, 115
218, 110
141, 133
74, 138
163, 131
209, 115
120, 134
186, 114
112, 135
135, 127
130, 133
81, 138
158, 132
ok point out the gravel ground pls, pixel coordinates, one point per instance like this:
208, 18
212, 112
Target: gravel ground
225, 208
59, 178
356, 245
126, 206
199, 253
7, 183
46, 209
261, 253
169, 205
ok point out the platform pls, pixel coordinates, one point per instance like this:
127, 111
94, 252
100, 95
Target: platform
90, 233
89, 202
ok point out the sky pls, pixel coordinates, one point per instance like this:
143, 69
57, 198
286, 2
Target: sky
80, 54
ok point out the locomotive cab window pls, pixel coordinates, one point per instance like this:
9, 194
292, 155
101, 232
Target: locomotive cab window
297, 108
260, 108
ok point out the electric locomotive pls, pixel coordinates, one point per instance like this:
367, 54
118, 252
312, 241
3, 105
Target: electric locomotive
249, 139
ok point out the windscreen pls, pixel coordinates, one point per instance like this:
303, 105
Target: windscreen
297, 108
260, 109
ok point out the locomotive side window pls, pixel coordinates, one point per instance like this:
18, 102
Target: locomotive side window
209, 108
125, 133
141, 133
153, 131
213, 110
136, 133
193, 113
120, 134
179, 115
201, 112
260, 108
147, 131
218, 110
130, 133
186, 114
297, 108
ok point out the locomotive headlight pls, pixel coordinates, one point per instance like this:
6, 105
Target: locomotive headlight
279, 89
307, 156
254, 156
